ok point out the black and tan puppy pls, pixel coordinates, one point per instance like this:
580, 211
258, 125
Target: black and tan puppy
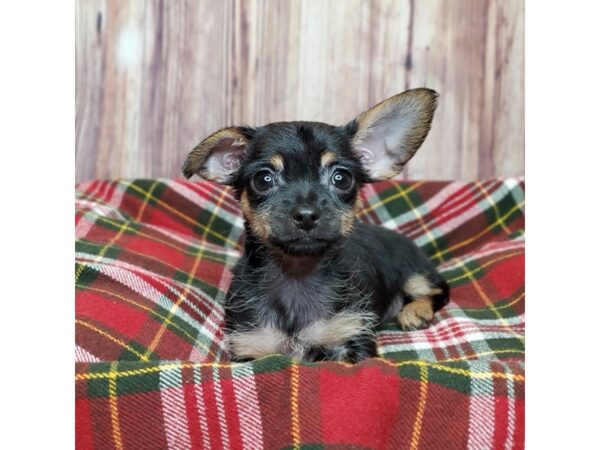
314, 282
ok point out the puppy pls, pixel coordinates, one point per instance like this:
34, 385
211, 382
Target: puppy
314, 282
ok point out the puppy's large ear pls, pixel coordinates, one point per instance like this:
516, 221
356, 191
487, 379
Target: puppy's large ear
218, 156
389, 134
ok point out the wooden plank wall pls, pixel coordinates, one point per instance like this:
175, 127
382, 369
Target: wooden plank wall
155, 77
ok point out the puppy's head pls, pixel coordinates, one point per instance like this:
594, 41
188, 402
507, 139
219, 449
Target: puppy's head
298, 182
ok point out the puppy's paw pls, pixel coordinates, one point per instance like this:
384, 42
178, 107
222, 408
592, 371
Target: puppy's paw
417, 315
254, 343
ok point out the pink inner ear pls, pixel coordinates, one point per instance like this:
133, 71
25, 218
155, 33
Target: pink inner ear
225, 159
232, 161
365, 155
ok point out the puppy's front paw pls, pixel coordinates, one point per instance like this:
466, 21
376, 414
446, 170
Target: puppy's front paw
417, 315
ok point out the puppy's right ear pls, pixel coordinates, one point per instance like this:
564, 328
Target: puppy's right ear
219, 156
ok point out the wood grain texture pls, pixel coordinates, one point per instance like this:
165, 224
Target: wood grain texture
156, 77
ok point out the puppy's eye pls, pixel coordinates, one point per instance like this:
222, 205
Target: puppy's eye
263, 181
342, 179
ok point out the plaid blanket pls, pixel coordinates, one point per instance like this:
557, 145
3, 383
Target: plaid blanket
153, 260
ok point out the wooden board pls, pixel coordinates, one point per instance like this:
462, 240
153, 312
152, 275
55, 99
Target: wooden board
155, 77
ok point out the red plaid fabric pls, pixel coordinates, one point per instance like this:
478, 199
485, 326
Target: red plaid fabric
153, 260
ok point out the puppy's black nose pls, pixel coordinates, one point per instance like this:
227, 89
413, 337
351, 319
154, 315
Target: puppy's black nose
306, 217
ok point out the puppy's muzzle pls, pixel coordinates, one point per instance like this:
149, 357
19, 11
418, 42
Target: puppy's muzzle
306, 217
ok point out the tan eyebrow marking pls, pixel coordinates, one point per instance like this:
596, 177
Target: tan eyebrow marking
277, 162
327, 157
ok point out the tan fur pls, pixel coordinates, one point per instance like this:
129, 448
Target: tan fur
327, 157
260, 225
337, 329
391, 173
257, 343
277, 162
246, 208
416, 315
196, 160
419, 286
259, 221
347, 220
357, 205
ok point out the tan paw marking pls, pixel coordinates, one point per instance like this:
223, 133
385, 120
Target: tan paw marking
417, 315
419, 286
338, 329
256, 343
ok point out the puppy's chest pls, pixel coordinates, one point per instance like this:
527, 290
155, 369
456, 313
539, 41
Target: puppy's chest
295, 303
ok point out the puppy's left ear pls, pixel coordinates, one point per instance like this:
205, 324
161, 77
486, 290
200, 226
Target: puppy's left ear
219, 156
386, 136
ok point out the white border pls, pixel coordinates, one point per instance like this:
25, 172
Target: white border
37, 101
562, 223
